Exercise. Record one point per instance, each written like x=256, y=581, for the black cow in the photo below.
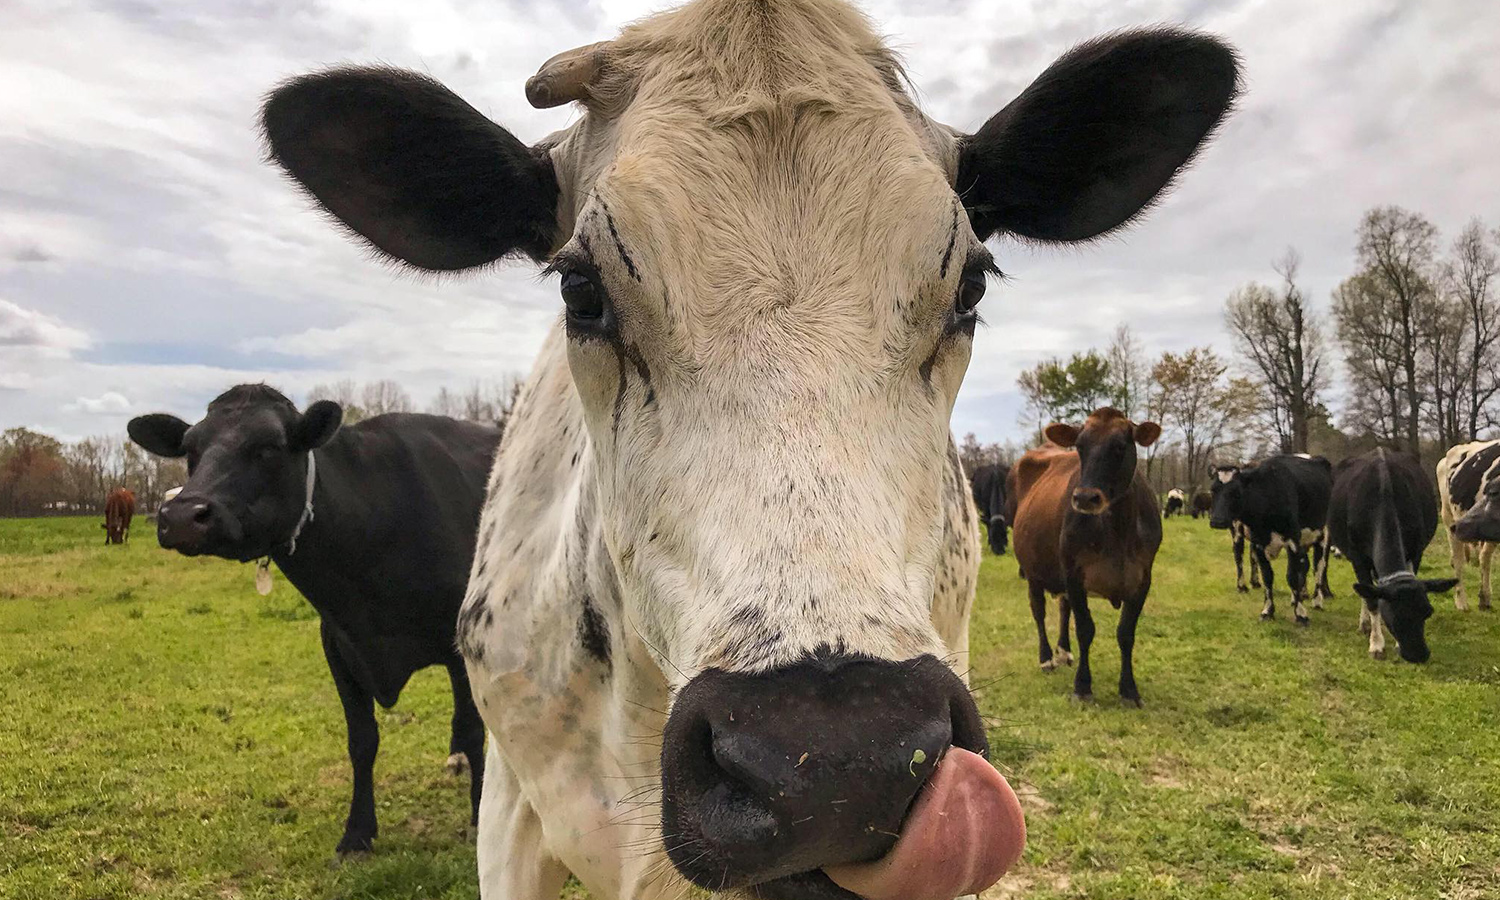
x=988, y=484
x=1239, y=534
x=1203, y=502
x=1280, y=502
x=1383, y=514
x=1176, y=499
x=375, y=525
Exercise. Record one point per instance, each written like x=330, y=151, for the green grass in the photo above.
x=165, y=732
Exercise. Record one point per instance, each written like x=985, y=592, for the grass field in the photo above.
x=165, y=732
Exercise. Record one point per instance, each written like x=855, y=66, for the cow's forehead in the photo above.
x=250, y=423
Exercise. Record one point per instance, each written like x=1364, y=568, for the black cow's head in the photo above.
x=1228, y=488
x=1402, y=603
x=247, y=471
x=1482, y=521
x=1106, y=456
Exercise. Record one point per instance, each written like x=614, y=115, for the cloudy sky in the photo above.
x=149, y=259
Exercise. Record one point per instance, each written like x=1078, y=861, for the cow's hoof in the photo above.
x=1304, y=621
x=457, y=764
x=1266, y=617
x=1242, y=589
x=352, y=850
x=1063, y=657
x=1485, y=604
x=1364, y=627
x=1317, y=604
x=1083, y=698
x=1377, y=654
x=1130, y=702
x=1047, y=665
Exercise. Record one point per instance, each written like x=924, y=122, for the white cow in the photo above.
x=725, y=567
x=1462, y=474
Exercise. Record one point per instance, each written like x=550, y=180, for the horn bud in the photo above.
x=566, y=77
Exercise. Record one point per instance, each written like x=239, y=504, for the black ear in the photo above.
x=1440, y=585
x=317, y=426
x=159, y=433
x=1095, y=139
x=412, y=168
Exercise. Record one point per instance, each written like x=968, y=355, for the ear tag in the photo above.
x=263, y=575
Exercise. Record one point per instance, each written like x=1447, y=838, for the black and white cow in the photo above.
x=1281, y=502
x=988, y=483
x=374, y=523
x=1176, y=503
x=1468, y=479
x=1238, y=534
x=1382, y=514
x=769, y=262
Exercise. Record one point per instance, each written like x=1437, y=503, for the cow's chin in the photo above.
x=814, y=885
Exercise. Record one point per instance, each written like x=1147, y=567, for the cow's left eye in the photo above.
x=582, y=296
x=970, y=292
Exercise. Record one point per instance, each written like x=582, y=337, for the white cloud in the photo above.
x=107, y=403
x=26, y=332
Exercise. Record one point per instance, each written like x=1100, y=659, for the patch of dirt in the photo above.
x=1012, y=887
x=1031, y=798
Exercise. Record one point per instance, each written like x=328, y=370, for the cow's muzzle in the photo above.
x=768, y=780
x=1474, y=526
x=192, y=525
x=1090, y=501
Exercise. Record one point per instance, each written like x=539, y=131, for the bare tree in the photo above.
x=385, y=396
x=1467, y=279
x=345, y=393
x=1371, y=335
x=1396, y=249
x=1190, y=393
x=1128, y=370
x=1282, y=342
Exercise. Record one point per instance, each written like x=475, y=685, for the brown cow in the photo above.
x=119, y=506
x=1088, y=523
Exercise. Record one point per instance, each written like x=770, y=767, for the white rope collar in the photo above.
x=1387, y=580
x=307, y=507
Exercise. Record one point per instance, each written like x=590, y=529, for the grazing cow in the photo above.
x=1176, y=500
x=1467, y=475
x=988, y=482
x=373, y=523
x=119, y=507
x=1203, y=502
x=1279, y=502
x=1238, y=533
x=1087, y=523
x=1382, y=514
x=769, y=262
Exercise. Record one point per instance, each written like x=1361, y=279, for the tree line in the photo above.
x=1416, y=328
x=41, y=475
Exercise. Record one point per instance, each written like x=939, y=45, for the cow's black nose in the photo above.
x=1088, y=500
x=185, y=523
x=768, y=778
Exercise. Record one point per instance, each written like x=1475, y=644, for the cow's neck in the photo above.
x=321, y=546
x=1389, y=551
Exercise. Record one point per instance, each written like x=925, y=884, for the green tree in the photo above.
x=1058, y=391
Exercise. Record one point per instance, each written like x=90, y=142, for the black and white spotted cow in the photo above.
x=728, y=510
x=1468, y=478
x=1280, y=502
x=1382, y=515
x=1176, y=503
x=374, y=524
x=989, y=483
x=1238, y=534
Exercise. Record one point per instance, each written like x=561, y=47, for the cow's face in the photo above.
x=1403, y=605
x=1228, y=491
x=1106, y=456
x=1482, y=521
x=247, y=471
x=769, y=264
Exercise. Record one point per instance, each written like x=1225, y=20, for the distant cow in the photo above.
x=374, y=524
x=1281, y=502
x=1176, y=500
x=1087, y=523
x=988, y=483
x=1383, y=514
x=119, y=507
x=1467, y=476
x=1203, y=501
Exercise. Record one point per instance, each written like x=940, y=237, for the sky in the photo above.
x=150, y=258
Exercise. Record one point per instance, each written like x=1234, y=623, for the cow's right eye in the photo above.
x=584, y=299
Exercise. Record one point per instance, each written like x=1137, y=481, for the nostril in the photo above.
x=202, y=513
x=732, y=819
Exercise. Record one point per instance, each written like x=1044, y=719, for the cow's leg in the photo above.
x=1038, y=597
x=1486, y=551
x=364, y=744
x=1064, y=655
x=1296, y=579
x=1239, y=564
x=513, y=860
x=1377, y=635
x=466, y=747
x=1255, y=578
x=1130, y=613
x=1078, y=599
x=1263, y=563
x=1460, y=557
x=1321, y=590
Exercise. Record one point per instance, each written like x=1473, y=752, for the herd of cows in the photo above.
x=770, y=261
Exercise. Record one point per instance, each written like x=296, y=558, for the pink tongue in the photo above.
x=964, y=831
